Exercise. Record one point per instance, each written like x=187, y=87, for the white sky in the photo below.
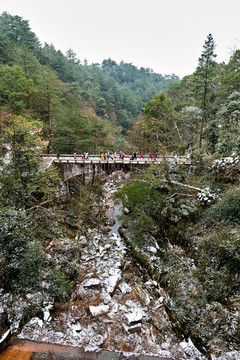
x=164, y=35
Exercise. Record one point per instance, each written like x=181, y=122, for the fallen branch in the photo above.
x=40, y=205
x=186, y=186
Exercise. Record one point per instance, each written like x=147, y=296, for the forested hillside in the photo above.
x=169, y=285
x=82, y=107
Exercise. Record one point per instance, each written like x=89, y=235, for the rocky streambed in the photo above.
x=115, y=305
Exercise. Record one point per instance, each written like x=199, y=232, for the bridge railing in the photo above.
x=145, y=157
x=92, y=158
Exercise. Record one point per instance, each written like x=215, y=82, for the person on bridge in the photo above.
x=135, y=155
x=86, y=155
x=120, y=154
x=150, y=155
x=141, y=155
x=102, y=155
x=155, y=156
x=75, y=156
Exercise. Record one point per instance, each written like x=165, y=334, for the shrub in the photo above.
x=20, y=253
x=225, y=248
x=197, y=163
x=60, y=286
x=226, y=210
x=31, y=264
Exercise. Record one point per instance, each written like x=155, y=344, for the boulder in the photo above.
x=134, y=317
x=98, y=310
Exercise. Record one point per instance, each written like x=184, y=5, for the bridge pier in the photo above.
x=69, y=169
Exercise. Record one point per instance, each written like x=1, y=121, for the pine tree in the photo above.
x=203, y=77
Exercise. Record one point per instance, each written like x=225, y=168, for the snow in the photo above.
x=91, y=282
x=4, y=336
x=125, y=288
x=152, y=249
x=98, y=310
x=112, y=280
x=134, y=317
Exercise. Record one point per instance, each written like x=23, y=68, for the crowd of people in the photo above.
x=121, y=155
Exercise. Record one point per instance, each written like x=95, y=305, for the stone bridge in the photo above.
x=71, y=166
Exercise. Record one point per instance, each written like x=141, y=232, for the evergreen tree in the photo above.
x=15, y=89
x=202, y=79
x=18, y=31
x=231, y=78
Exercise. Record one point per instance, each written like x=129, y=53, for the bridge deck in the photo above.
x=94, y=159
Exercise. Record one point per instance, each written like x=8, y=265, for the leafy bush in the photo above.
x=197, y=163
x=31, y=264
x=60, y=286
x=224, y=146
x=143, y=205
x=226, y=210
x=20, y=253
x=224, y=248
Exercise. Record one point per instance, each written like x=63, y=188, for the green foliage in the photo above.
x=203, y=81
x=226, y=211
x=144, y=82
x=159, y=125
x=6, y=50
x=231, y=77
x=224, y=247
x=189, y=124
x=59, y=285
x=15, y=88
x=197, y=162
x=21, y=254
x=142, y=206
x=18, y=31
x=229, y=120
x=22, y=184
x=24, y=149
x=137, y=196
x=212, y=135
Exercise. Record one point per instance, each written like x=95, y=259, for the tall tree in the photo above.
x=203, y=77
x=22, y=159
x=18, y=31
x=22, y=183
x=160, y=124
x=46, y=101
x=15, y=88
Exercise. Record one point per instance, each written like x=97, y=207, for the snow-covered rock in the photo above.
x=134, y=317
x=91, y=282
x=152, y=249
x=125, y=288
x=98, y=310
